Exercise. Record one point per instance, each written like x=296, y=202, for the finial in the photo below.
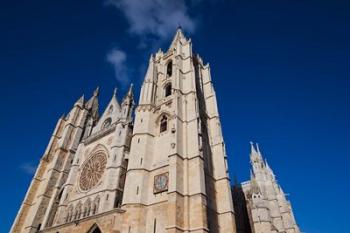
x=252, y=147
x=130, y=89
x=80, y=101
x=257, y=148
x=115, y=91
x=97, y=91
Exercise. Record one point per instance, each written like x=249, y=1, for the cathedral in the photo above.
x=156, y=167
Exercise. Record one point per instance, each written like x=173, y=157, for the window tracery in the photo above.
x=92, y=171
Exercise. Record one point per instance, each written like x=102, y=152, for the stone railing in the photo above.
x=99, y=134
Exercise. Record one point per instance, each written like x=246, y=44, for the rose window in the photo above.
x=92, y=171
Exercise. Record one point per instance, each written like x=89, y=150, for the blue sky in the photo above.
x=280, y=69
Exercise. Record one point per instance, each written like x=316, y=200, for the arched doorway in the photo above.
x=94, y=229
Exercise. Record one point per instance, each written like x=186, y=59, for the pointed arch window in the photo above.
x=163, y=124
x=169, y=69
x=96, y=205
x=69, y=213
x=87, y=208
x=94, y=229
x=167, y=89
x=106, y=123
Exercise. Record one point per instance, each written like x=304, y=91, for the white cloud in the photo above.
x=118, y=60
x=28, y=168
x=158, y=18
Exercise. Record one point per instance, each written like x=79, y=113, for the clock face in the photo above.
x=161, y=183
x=92, y=171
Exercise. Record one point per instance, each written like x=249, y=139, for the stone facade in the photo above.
x=261, y=201
x=163, y=172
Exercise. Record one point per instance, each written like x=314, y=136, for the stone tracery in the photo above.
x=92, y=171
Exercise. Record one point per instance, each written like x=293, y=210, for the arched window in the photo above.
x=169, y=69
x=106, y=123
x=69, y=213
x=87, y=208
x=96, y=205
x=110, y=110
x=163, y=124
x=167, y=90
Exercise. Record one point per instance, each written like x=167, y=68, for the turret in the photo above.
x=268, y=208
x=128, y=104
x=148, y=88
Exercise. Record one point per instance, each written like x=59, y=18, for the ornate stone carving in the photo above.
x=92, y=171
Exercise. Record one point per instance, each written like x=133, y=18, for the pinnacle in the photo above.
x=97, y=91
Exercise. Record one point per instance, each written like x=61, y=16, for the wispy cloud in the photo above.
x=117, y=58
x=152, y=22
x=157, y=18
x=28, y=168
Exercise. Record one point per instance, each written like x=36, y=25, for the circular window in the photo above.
x=92, y=171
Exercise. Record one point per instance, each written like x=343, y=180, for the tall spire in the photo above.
x=115, y=99
x=80, y=102
x=258, y=149
x=131, y=90
x=92, y=104
x=129, y=97
x=97, y=91
x=269, y=170
x=252, y=148
x=179, y=35
x=255, y=154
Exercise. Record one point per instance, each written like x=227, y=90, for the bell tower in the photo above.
x=177, y=176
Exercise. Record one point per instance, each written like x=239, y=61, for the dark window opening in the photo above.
x=169, y=69
x=38, y=228
x=163, y=124
x=168, y=89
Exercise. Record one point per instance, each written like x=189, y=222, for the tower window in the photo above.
x=106, y=123
x=169, y=69
x=167, y=89
x=163, y=124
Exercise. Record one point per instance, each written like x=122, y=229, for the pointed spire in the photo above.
x=151, y=58
x=252, y=148
x=269, y=170
x=131, y=90
x=151, y=70
x=92, y=104
x=80, y=102
x=114, y=99
x=97, y=91
x=257, y=148
x=178, y=36
x=255, y=154
x=129, y=97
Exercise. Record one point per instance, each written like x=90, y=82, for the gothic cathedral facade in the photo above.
x=158, y=168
